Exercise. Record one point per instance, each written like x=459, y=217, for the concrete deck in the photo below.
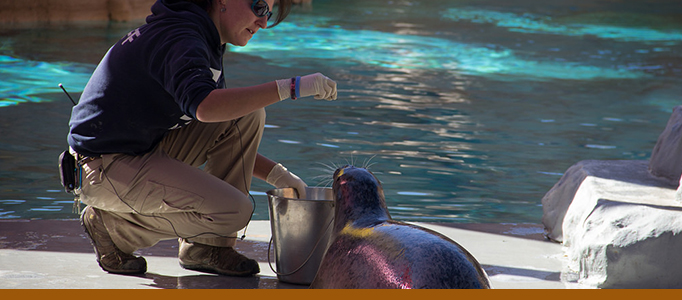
x=56, y=254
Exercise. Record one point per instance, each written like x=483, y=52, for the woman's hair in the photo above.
x=284, y=7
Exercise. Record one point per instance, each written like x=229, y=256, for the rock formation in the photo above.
x=619, y=220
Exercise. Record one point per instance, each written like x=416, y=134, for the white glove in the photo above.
x=280, y=177
x=316, y=85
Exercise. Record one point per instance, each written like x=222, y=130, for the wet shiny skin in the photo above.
x=370, y=250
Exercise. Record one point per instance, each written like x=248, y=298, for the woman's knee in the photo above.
x=245, y=210
x=230, y=208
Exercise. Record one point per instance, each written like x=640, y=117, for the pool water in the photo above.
x=467, y=111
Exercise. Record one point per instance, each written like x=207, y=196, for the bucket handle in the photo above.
x=306, y=260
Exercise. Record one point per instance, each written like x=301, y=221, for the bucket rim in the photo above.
x=274, y=193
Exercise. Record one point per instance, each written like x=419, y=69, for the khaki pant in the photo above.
x=165, y=195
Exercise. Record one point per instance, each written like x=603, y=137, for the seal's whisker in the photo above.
x=326, y=178
x=321, y=178
x=325, y=169
x=325, y=183
x=370, y=165
x=326, y=166
x=368, y=162
x=329, y=167
x=349, y=163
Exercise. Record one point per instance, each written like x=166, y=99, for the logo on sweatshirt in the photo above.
x=184, y=121
x=216, y=74
x=131, y=36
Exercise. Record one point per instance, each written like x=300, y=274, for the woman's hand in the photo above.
x=317, y=85
x=280, y=177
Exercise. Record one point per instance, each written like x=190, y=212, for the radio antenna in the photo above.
x=67, y=94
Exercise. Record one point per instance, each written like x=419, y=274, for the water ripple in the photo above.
x=281, y=46
x=25, y=80
x=538, y=24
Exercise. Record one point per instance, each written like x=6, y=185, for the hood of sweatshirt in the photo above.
x=178, y=11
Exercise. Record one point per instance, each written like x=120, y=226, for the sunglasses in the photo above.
x=261, y=9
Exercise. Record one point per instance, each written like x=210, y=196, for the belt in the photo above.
x=80, y=158
x=84, y=159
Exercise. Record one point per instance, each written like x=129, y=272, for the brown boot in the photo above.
x=109, y=257
x=217, y=260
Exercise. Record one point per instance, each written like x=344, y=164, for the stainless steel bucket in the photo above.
x=301, y=229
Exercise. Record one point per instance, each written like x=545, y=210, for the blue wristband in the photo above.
x=298, y=85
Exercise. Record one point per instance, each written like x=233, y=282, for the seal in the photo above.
x=370, y=250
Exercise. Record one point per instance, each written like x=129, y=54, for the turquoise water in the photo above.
x=467, y=111
x=397, y=51
x=23, y=80
x=542, y=24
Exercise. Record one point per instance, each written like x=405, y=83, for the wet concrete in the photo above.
x=56, y=254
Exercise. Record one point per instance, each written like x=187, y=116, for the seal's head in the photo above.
x=358, y=197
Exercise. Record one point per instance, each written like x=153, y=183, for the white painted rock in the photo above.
x=621, y=221
x=626, y=245
x=621, y=234
x=557, y=200
x=619, y=224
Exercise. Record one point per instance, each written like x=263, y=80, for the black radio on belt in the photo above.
x=69, y=172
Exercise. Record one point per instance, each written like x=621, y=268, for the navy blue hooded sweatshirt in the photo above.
x=151, y=81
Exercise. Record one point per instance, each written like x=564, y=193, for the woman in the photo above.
x=154, y=111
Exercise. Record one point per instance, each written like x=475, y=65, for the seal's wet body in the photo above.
x=369, y=250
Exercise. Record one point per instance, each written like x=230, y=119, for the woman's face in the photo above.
x=237, y=24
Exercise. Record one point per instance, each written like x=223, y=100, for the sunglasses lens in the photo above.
x=261, y=9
